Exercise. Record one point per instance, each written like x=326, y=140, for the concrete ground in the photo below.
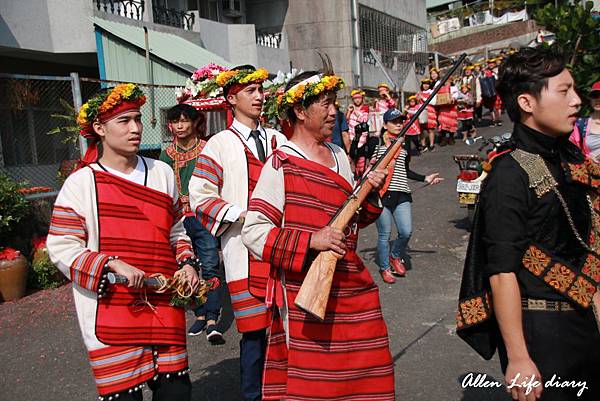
x=43, y=357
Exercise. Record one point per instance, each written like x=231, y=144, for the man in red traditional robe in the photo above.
x=121, y=213
x=346, y=356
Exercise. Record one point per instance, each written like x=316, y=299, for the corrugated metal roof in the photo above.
x=171, y=48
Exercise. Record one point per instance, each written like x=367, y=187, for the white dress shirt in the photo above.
x=234, y=211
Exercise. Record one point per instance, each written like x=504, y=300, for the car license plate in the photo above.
x=471, y=187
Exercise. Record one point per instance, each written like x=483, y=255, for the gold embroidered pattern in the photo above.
x=473, y=310
x=594, y=239
x=459, y=320
x=535, y=260
x=595, y=202
x=560, y=277
x=582, y=292
x=593, y=167
x=540, y=178
x=591, y=267
x=579, y=173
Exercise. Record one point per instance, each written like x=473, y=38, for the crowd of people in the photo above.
x=265, y=202
x=454, y=113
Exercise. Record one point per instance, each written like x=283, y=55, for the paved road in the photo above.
x=43, y=357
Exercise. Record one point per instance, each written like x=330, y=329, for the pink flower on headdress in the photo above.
x=209, y=71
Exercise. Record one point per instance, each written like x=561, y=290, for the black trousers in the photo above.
x=412, y=144
x=565, y=345
x=478, y=113
x=253, y=346
x=175, y=388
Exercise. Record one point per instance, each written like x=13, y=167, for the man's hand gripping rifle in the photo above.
x=314, y=292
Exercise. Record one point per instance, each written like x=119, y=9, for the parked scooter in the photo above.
x=472, y=172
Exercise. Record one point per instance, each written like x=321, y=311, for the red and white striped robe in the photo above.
x=97, y=215
x=465, y=106
x=347, y=356
x=223, y=178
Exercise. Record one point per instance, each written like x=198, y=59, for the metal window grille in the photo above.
x=398, y=43
x=173, y=17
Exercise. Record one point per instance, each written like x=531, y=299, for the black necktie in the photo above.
x=259, y=145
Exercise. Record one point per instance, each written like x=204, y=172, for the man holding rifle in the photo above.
x=346, y=355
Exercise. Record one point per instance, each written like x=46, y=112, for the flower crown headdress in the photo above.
x=103, y=107
x=301, y=92
x=108, y=104
x=242, y=76
x=201, y=85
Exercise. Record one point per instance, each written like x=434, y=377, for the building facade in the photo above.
x=161, y=42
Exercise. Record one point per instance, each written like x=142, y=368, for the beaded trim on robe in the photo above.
x=140, y=387
x=540, y=178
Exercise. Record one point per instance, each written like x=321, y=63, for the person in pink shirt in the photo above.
x=586, y=132
x=428, y=128
x=414, y=131
x=385, y=101
x=358, y=113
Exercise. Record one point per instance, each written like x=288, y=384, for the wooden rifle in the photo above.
x=314, y=292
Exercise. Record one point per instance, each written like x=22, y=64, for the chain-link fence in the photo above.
x=28, y=109
x=39, y=139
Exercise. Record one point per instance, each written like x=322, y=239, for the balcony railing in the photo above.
x=269, y=39
x=173, y=17
x=125, y=8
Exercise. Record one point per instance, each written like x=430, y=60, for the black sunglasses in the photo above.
x=595, y=95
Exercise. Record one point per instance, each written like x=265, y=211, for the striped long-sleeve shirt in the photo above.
x=399, y=188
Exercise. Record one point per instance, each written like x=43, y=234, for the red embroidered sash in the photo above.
x=135, y=223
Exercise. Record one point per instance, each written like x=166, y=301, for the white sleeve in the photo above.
x=71, y=226
x=205, y=190
x=265, y=209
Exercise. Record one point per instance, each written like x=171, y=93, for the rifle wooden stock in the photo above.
x=314, y=292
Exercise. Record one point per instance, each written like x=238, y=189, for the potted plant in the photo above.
x=44, y=274
x=13, y=266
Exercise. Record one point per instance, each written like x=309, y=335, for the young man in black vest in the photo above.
x=535, y=241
